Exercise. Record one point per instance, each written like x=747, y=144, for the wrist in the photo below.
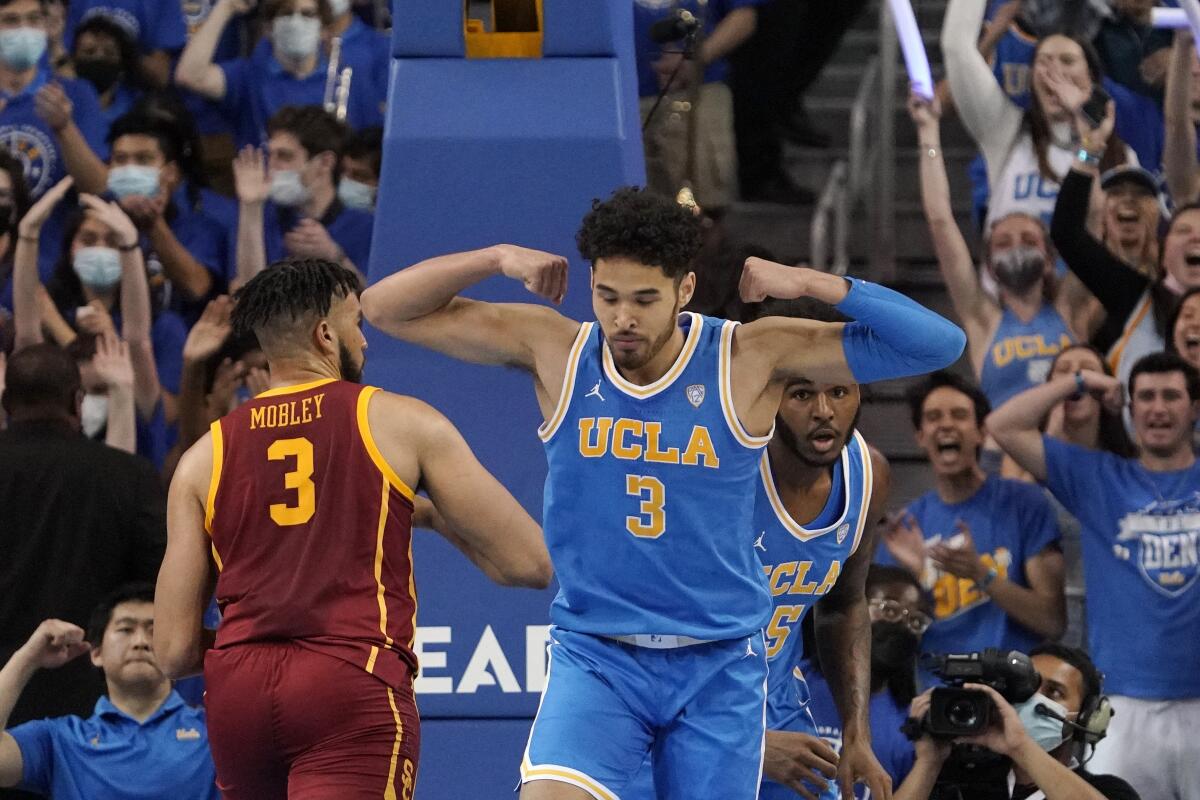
x=985, y=576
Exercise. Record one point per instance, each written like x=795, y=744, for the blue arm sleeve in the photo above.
x=894, y=337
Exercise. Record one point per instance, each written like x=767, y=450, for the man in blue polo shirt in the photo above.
x=987, y=547
x=292, y=208
x=1140, y=521
x=142, y=742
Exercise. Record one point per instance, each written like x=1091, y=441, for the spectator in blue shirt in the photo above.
x=46, y=121
x=291, y=207
x=156, y=25
x=141, y=742
x=106, y=57
x=1140, y=520
x=901, y=612
x=987, y=547
x=361, y=163
x=293, y=72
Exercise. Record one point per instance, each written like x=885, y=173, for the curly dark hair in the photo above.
x=645, y=227
x=288, y=292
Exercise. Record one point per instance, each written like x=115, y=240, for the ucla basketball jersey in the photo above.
x=650, y=495
x=1012, y=64
x=1020, y=185
x=1020, y=353
x=803, y=562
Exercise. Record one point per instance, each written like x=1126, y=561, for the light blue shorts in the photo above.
x=697, y=711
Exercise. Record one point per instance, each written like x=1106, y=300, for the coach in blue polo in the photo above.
x=142, y=741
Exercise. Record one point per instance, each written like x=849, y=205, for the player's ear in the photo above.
x=324, y=338
x=687, y=288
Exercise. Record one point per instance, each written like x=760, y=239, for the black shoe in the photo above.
x=801, y=131
x=781, y=190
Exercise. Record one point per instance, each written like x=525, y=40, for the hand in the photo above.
x=1105, y=388
x=112, y=216
x=689, y=73
x=309, y=239
x=144, y=211
x=53, y=106
x=800, y=761
x=544, y=274
x=1096, y=139
x=257, y=380
x=762, y=279
x=112, y=363
x=927, y=748
x=250, y=178
x=54, y=643
x=905, y=540
x=210, y=332
x=1068, y=94
x=925, y=113
x=961, y=560
x=97, y=321
x=39, y=212
x=858, y=764
x=1005, y=735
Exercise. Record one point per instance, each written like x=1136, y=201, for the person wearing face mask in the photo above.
x=1012, y=339
x=106, y=57
x=900, y=613
x=361, y=162
x=291, y=207
x=987, y=547
x=1138, y=518
x=291, y=72
x=157, y=28
x=100, y=288
x=47, y=120
x=1137, y=306
x=1046, y=736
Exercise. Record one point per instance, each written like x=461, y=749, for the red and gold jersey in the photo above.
x=312, y=530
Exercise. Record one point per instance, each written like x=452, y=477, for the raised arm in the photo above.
x=1179, y=148
x=26, y=284
x=56, y=109
x=253, y=186
x=419, y=442
x=975, y=311
x=843, y=628
x=991, y=118
x=421, y=305
x=1016, y=425
x=187, y=576
x=196, y=70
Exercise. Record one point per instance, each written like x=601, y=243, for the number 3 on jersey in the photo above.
x=650, y=521
x=298, y=480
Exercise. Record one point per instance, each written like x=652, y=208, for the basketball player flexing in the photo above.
x=304, y=498
x=654, y=426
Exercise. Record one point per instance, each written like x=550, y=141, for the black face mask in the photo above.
x=98, y=72
x=893, y=645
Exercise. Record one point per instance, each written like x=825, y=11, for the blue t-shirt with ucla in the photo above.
x=649, y=499
x=1141, y=541
x=111, y=754
x=1010, y=522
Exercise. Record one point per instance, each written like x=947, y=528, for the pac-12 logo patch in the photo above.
x=1164, y=537
x=695, y=394
x=842, y=531
x=34, y=148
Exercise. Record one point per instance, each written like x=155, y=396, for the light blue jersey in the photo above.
x=1020, y=353
x=650, y=494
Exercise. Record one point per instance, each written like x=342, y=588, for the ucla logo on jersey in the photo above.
x=1032, y=184
x=842, y=532
x=36, y=152
x=1029, y=347
x=1165, y=538
x=638, y=440
x=695, y=394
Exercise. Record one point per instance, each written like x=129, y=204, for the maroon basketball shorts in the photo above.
x=286, y=722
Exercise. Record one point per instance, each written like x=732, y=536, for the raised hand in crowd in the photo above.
x=250, y=177
x=53, y=644
x=53, y=106
x=30, y=225
x=114, y=217
x=210, y=332
x=114, y=367
x=94, y=319
x=1109, y=391
x=257, y=380
x=959, y=556
x=905, y=540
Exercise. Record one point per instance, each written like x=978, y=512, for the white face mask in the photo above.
x=287, y=189
x=93, y=414
x=355, y=194
x=1048, y=731
x=295, y=35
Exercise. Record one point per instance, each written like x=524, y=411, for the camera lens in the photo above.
x=963, y=713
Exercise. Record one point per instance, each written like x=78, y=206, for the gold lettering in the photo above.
x=781, y=571
x=700, y=447
x=587, y=448
x=830, y=578
x=1002, y=353
x=620, y=449
x=317, y=399
x=272, y=416
x=801, y=585
x=653, y=453
x=256, y=418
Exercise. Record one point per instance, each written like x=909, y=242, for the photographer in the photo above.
x=1044, y=748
